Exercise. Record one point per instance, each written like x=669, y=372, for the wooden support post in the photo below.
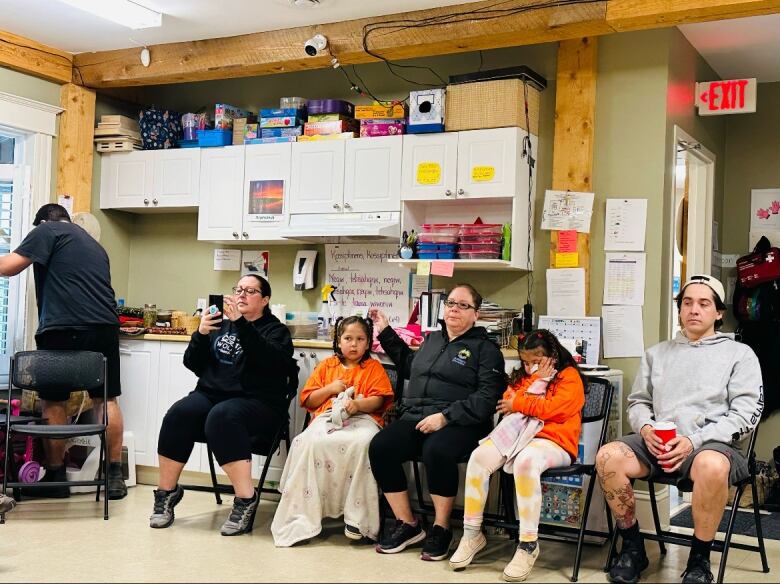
x=74, y=158
x=575, y=107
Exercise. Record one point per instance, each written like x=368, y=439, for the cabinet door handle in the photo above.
x=313, y=355
x=448, y=193
x=245, y=234
x=125, y=351
x=347, y=206
x=461, y=192
x=235, y=234
x=302, y=354
x=336, y=206
x=146, y=201
x=155, y=201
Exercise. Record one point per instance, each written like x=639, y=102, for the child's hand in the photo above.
x=546, y=368
x=351, y=407
x=336, y=387
x=505, y=405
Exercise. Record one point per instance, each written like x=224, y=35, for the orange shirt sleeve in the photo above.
x=317, y=380
x=377, y=384
x=561, y=402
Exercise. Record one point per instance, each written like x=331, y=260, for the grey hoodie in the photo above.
x=710, y=388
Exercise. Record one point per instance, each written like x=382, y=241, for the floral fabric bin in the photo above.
x=160, y=129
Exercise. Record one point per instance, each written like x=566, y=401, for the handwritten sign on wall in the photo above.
x=364, y=279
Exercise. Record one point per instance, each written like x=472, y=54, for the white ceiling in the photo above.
x=746, y=47
x=67, y=28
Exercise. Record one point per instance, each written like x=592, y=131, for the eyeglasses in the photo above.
x=461, y=305
x=238, y=291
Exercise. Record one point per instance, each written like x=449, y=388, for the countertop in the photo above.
x=509, y=354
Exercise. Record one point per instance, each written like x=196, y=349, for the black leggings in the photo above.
x=228, y=425
x=440, y=451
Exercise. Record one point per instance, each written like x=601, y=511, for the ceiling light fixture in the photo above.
x=124, y=12
x=305, y=3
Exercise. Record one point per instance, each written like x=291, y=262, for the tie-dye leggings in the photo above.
x=539, y=455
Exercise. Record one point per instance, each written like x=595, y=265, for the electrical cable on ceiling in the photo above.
x=527, y=152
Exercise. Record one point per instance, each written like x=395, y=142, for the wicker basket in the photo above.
x=191, y=323
x=490, y=104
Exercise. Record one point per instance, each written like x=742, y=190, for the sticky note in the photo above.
x=428, y=173
x=567, y=260
x=423, y=268
x=483, y=173
x=567, y=241
x=442, y=268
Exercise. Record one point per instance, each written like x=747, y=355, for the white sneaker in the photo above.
x=518, y=569
x=467, y=549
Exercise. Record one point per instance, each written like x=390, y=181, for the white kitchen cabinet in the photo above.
x=151, y=180
x=464, y=165
x=243, y=193
x=139, y=365
x=175, y=382
x=372, y=174
x=317, y=181
x=429, y=166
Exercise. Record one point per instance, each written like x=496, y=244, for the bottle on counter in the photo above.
x=150, y=315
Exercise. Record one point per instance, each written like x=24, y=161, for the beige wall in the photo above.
x=752, y=163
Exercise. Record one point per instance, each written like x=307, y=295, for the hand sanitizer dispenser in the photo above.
x=304, y=269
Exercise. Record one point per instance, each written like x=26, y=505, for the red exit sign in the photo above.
x=735, y=96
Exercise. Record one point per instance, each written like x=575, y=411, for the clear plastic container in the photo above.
x=437, y=237
x=481, y=229
x=479, y=255
x=479, y=247
x=441, y=228
x=480, y=238
x=292, y=102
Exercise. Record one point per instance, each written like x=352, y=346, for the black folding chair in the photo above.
x=598, y=401
x=262, y=446
x=664, y=536
x=61, y=371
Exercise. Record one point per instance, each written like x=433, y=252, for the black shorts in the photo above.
x=101, y=339
x=738, y=471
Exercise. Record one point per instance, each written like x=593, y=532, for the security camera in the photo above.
x=315, y=44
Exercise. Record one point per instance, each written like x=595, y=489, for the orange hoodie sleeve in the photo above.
x=564, y=399
x=316, y=381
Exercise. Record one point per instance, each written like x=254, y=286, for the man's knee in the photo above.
x=710, y=468
x=608, y=457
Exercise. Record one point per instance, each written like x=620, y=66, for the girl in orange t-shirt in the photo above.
x=549, y=390
x=327, y=473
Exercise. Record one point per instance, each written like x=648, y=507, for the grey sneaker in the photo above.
x=164, y=502
x=242, y=517
x=6, y=503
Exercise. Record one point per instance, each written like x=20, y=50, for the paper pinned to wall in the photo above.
x=364, y=279
x=254, y=263
x=566, y=292
x=623, y=331
x=624, y=279
x=227, y=260
x=566, y=210
x=624, y=225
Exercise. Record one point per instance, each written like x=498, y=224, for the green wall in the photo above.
x=171, y=239
x=752, y=163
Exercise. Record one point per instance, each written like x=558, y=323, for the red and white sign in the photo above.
x=734, y=96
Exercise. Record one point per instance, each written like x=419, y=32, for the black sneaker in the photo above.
x=164, y=502
x=437, y=546
x=242, y=516
x=698, y=570
x=116, y=482
x=352, y=532
x=402, y=536
x=630, y=563
x=50, y=492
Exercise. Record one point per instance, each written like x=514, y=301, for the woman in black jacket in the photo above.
x=455, y=381
x=244, y=366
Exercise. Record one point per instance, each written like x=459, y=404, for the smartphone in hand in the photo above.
x=216, y=300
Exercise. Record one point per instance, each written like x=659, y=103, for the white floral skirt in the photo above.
x=328, y=474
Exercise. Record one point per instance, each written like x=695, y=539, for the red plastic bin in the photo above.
x=441, y=228
x=481, y=229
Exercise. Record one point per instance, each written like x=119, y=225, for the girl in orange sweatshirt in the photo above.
x=540, y=430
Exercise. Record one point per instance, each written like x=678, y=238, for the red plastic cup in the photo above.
x=665, y=431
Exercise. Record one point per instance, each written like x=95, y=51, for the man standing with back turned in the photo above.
x=710, y=387
x=76, y=311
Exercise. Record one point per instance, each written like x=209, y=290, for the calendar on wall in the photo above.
x=585, y=331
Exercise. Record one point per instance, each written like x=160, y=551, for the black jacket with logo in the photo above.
x=463, y=378
x=245, y=359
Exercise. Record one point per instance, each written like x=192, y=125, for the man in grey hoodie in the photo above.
x=709, y=386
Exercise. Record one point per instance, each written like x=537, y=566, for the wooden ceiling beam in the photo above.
x=281, y=51
x=27, y=56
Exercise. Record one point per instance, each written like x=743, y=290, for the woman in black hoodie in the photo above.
x=244, y=366
x=455, y=382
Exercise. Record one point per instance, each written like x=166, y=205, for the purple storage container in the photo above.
x=330, y=106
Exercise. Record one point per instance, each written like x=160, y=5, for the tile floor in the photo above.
x=68, y=541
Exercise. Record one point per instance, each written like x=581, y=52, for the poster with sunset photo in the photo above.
x=266, y=197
